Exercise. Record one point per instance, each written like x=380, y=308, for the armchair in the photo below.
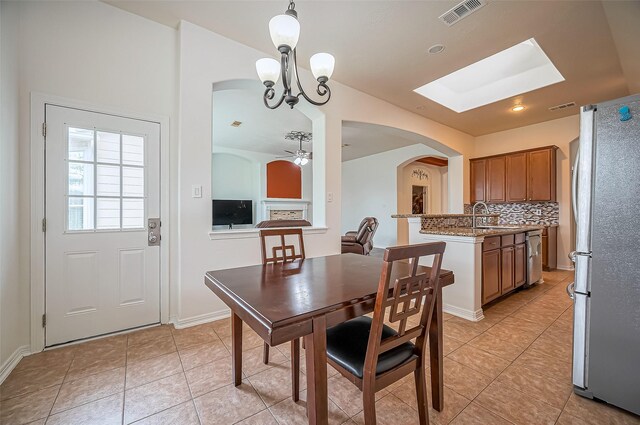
x=360, y=241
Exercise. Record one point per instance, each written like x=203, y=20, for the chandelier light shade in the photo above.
x=285, y=32
x=268, y=70
x=322, y=65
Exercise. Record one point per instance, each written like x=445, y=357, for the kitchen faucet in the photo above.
x=473, y=212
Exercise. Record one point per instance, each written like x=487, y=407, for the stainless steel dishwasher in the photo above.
x=534, y=254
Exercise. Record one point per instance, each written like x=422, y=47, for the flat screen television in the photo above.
x=228, y=212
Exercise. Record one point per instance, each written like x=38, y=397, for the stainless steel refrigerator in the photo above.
x=606, y=291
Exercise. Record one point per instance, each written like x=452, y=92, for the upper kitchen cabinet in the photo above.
x=522, y=176
x=496, y=183
x=516, y=164
x=478, y=180
x=542, y=174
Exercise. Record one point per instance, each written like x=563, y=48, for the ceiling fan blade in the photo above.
x=292, y=153
x=310, y=155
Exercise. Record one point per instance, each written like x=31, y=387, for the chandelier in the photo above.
x=285, y=30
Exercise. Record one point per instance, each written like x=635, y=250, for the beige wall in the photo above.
x=558, y=132
x=435, y=183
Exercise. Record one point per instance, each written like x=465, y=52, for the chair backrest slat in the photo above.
x=281, y=252
x=409, y=299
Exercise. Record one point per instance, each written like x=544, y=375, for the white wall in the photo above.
x=370, y=187
x=558, y=132
x=14, y=287
x=234, y=177
x=94, y=53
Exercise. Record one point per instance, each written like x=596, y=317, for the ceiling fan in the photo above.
x=301, y=156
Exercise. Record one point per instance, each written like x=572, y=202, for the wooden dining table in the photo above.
x=301, y=299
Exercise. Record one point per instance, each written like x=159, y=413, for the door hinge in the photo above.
x=44, y=224
x=44, y=320
x=44, y=129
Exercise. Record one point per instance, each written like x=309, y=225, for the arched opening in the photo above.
x=243, y=128
x=377, y=168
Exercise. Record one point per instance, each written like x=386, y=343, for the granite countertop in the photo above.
x=468, y=231
x=442, y=215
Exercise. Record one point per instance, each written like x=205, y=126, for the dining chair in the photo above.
x=280, y=252
x=371, y=354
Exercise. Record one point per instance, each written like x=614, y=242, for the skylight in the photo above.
x=516, y=70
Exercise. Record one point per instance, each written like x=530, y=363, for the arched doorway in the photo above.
x=374, y=158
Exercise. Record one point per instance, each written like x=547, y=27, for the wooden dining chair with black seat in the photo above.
x=281, y=252
x=371, y=354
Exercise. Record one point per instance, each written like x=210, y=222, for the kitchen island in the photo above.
x=504, y=254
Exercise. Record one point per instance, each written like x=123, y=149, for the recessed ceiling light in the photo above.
x=516, y=70
x=436, y=48
x=518, y=108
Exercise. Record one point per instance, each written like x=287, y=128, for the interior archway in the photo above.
x=374, y=158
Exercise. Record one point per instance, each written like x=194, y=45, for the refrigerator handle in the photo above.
x=570, y=290
x=574, y=186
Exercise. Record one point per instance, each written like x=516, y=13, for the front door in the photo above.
x=102, y=187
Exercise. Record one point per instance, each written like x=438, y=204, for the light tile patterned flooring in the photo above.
x=512, y=367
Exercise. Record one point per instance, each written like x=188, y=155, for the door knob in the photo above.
x=153, y=237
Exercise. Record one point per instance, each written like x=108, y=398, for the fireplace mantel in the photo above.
x=280, y=204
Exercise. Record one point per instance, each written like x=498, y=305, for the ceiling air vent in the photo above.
x=461, y=10
x=236, y=123
x=563, y=106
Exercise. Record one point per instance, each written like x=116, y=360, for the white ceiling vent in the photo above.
x=563, y=106
x=461, y=11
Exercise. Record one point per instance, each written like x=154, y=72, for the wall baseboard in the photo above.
x=203, y=318
x=474, y=316
x=567, y=268
x=13, y=361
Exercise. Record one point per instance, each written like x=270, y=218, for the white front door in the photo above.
x=102, y=186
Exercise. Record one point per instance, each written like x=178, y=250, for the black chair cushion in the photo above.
x=347, y=346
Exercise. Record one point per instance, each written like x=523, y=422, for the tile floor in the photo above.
x=513, y=367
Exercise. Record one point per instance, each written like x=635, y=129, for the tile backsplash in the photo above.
x=453, y=220
x=543, y=213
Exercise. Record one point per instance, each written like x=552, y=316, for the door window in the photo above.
x=106, y=180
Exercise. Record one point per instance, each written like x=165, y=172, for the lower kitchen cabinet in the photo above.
x=549, y=248
x=504, y=265
x=507, y=269
x=520, y=265
x=491, y=270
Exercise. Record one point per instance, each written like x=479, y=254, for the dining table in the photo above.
x=301, y=299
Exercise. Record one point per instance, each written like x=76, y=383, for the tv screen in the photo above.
x=228, y=212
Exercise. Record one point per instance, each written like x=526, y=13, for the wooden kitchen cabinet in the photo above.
x=522, y=176
x=504, y=265
x=507, y=269
x=478, y=180
x=496, y=172
x=520, y=265
x=541, y=166
x=516, y=183
x=549, y=248
x=491, y=273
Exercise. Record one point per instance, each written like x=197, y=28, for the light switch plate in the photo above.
x=330, y=197
x=196, y=191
